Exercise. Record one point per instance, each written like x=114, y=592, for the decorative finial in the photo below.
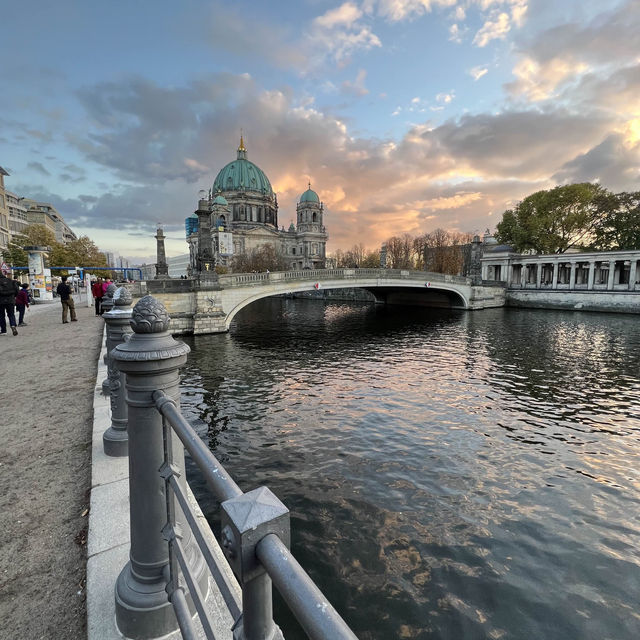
x=241, y=147
x=149, y=316
x=111, y=290
x=122, y=297
x=309, y=185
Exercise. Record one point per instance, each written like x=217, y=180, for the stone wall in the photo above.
x=620, y=302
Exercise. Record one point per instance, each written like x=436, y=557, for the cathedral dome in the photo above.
x=310, y=196
x=242, y=175
x=220, y=200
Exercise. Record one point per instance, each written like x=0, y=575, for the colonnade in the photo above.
x=613, y=271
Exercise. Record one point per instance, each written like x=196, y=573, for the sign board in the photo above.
x=225, y=244
x=5, y=269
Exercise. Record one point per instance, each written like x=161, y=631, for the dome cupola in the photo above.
x=310, y=196
x=242, y=175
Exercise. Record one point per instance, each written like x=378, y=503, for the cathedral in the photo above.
x=244, y=216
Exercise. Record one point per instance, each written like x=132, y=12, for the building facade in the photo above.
x=46, y=214
x=18, y=221
x=244, y=217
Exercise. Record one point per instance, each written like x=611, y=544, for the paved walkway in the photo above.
x=47, y=379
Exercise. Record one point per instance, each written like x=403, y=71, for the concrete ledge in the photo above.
x=108, y=540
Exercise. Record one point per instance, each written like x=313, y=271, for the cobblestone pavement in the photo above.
x=47, y=378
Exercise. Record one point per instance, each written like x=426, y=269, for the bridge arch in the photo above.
x=393, y=293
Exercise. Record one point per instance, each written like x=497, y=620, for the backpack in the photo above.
x=6, y=287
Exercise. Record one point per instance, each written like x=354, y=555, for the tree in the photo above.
x=34, y=234
x=442, y=251
x=618, y=227
x=553, y=221
x=400, y=251
x=262, y=258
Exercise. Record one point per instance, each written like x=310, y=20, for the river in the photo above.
x=449, y=474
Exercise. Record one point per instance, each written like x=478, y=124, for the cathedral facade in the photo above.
x=244, y=217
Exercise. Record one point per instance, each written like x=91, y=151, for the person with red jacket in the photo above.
x=97, y=291
x=22, y=303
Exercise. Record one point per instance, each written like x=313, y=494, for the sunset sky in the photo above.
x=405, y=115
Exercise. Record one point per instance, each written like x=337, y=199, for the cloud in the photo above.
x=37, y=166
x=398, y=10
x=495, y=28
x=477, y=72
x=357, y=87
x=343, y=16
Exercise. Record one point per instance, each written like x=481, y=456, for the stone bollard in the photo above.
x=115, y=438
x=150, y=360
x=107, y=305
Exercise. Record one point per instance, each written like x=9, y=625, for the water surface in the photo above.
x=449, y=474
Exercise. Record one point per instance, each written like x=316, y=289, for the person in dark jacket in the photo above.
x=22, y=303
x=64, y=291
x=8, y=291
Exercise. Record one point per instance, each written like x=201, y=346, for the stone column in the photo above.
x=555, y=275
x=523, y=275
x=475, y=269
x=572, y=277
x=162, y=268
x=612, y=273
x=150, y=359
x=539, y=275
x=106, y=305
x=592, y=274
x=633, y=270
x=115, y=439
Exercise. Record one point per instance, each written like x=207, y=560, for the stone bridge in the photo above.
x=199, y=307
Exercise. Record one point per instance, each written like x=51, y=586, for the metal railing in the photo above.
x=170, y=550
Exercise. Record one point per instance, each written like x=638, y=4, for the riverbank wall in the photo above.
x=601, y=301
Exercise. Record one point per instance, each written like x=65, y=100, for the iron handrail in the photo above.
x=311, y=608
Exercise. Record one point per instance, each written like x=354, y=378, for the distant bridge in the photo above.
x=197, y=308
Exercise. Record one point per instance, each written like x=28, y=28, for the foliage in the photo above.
x=401, y=252
x=357, y=256
x=555, y=220
x=77, y=253
x=442, y=251
x=618, y=226
x=262, y=258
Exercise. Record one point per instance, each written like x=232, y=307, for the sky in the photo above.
x=405, y=115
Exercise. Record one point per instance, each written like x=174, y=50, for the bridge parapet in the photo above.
x=322, y=275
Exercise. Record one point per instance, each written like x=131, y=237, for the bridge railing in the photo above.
x=320, y=275
x=169, y=548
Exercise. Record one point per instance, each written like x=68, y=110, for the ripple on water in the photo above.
x=448, y=474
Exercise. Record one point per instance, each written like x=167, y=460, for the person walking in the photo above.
x=97, y=291
x=64, y=291
x=8, y=291
x=22, y=303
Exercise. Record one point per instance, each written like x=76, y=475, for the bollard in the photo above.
x=107, y=305
x=115, y=439
x=150, y=360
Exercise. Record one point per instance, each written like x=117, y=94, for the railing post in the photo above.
x=245, y=521
x=107, y=305
x=150, y=360
x=115, y=439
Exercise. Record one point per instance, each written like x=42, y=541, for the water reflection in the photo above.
x=448, y=474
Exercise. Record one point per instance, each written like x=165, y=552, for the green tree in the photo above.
x=618, y=227
x=555, y=220
x=34, y=234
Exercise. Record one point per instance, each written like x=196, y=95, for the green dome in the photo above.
x=242, y=175
x=309, y=196
x=220, y=200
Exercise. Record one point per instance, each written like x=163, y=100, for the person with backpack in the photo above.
x=22, y=303
x=8, y=291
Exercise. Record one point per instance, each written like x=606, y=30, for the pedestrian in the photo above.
x=97, y=292
x=64, y=291
x=8, y=291
x=22, y=303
